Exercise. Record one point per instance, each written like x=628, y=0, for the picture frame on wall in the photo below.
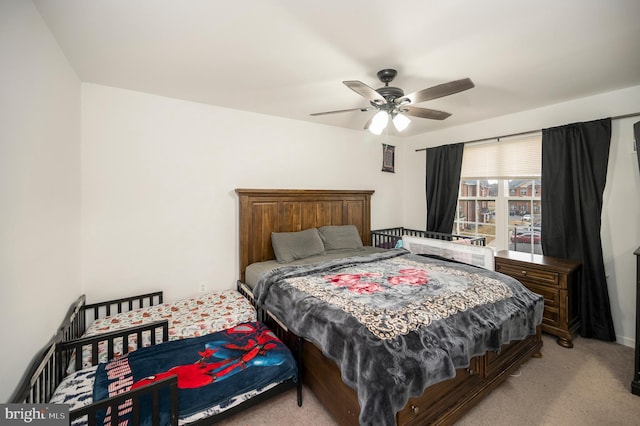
x=388, y=158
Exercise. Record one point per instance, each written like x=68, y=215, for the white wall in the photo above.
x=159, y=209
x=39, y=187
x=143, y=186
x=621, y=210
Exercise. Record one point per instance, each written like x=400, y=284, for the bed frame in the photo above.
x=80, y=313
x=263, y=211
x=389, y=237
x=47, y=370
x=48, y=367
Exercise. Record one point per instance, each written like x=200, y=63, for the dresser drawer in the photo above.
x=550, y=294
x=529, y=276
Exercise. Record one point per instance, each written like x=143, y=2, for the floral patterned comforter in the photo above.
x=396, y=323
x=190, y=317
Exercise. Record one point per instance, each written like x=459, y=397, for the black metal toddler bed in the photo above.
x=80, y=313
x=389, y=237
x=188, y=382
x=190, y=317
x=47, y=369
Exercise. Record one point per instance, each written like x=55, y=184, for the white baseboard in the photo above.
x=626, y=341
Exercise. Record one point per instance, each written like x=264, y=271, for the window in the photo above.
x=477, y=209
x=499, y=196
x=525, y=221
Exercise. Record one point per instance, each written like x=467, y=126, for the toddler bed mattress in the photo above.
x=215, y=372
x=189, y=317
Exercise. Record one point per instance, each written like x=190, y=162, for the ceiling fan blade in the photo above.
x=366, y=91
x=341, y=110
x=438, y=91
x=432, y=114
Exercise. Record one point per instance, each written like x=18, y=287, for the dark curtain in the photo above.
x=443, y=179
x=574, y=171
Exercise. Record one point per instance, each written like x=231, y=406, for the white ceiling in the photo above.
x=288, y=58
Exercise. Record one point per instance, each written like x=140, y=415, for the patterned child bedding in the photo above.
x=189, y=317
x=215, y=372
x=396, y=323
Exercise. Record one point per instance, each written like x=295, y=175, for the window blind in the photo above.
x=503, y=159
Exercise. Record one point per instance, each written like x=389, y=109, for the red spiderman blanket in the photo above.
x=210, y=369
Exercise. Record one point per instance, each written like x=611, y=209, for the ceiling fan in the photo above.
x=391, y=102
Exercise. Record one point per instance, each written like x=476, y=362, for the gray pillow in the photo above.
x=290, y=246
x=338, y=237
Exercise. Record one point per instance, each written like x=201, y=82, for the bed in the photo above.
x=197, y=378
x=337, y=346
x=189, y=317
x=389, y=237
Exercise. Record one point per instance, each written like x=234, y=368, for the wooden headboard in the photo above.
x=263, y=211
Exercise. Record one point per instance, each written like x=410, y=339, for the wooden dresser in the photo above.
x=557, y=280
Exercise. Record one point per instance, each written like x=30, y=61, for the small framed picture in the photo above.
x=388, y=153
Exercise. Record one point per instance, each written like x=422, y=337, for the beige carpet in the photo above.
x=586, y=385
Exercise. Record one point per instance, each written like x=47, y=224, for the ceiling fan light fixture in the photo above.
x=401, y=121
x=391, y=101
x=379, y=122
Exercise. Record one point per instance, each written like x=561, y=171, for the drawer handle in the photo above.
x=415, y=409
x=471, y=371
x=524, y=272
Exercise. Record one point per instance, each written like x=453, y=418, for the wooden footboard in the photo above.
x=444, y=403
x=441, y=404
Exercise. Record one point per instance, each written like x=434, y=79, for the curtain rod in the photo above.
x=618, y=117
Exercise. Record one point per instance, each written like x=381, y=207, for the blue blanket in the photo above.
x=396, y=323
x=210, y=369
